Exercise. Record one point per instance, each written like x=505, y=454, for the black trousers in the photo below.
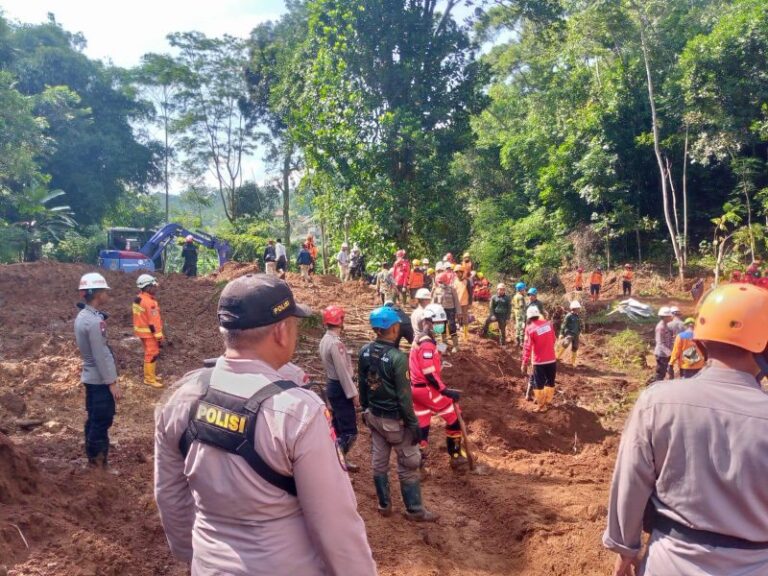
x=663, y=369
x=344, y=415
x=544, y=375
x=689, y=372
x=502, y=322
x=100, y=407
x=626, y=287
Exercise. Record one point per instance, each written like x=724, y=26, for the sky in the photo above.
x=122, y=31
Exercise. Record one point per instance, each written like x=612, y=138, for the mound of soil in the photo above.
x=541, y=487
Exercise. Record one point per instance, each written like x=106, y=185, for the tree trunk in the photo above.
x=657, y=147
x=685, y=199
x=287, y=197
x=325, y=245
x=639, y=247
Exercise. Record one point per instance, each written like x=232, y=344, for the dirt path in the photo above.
x=538, y=509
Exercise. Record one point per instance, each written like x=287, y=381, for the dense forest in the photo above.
x=535, y=132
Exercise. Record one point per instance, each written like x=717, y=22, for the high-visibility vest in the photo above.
x=146, y=317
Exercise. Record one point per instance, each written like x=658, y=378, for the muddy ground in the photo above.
x=538, y=508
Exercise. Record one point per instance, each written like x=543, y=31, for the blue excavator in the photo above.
x=121, y=255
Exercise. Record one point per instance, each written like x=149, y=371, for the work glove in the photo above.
x=416, y=433
x=452, y=394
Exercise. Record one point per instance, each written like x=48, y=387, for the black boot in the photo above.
x=414, y=509
x=456, y=453
x=346, y=446
x=382, y=492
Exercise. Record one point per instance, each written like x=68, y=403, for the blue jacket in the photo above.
x=304, y=258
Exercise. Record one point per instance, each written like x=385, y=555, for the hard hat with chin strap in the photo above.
x=383, y=318
x=435, y=313
x=145, y=280
x=93, y=281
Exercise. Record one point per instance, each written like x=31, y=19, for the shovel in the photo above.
x=464, y=435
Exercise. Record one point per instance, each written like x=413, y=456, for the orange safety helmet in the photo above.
x=735, y=314
x=333, y=315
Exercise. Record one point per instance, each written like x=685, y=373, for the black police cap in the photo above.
x=256, y=300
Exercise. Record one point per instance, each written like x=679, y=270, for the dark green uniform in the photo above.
x=500, y=311
x=569, y=336
x=385, y=395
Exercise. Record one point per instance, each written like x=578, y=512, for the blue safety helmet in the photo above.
x=532, y=292
x=384, y=317
x=520, y=286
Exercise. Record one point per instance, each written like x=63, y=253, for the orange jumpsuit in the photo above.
x=148, y=325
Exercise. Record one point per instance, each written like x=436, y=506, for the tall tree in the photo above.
x=160, y=78
x=271, y=48
x=386, y=91
x=213, y=125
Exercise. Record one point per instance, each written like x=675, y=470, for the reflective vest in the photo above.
x=146, y=317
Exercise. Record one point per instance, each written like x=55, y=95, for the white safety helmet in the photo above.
x=344, y=245
x=435, y=313
x=145, y=280
x=575, y=305
x=532, y=312
x=674, y=310
x=501, y=286
x=93, y=281
x=425, y=260
x=665, y=311
x=423, y=294
x=439, y=267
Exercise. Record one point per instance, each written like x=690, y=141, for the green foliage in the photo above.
x=81, y=246
x=626, y=349
x=248, y=238
x=136, y=210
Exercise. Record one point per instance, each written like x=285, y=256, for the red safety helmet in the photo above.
x=333, y=316
x=400, y=253
x=448, y=257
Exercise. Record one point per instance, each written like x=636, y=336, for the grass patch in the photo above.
x=626, y=351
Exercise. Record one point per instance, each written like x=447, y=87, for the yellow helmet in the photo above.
x=480, y=275
x=431, y=271
x=457, y=267
x=416, y=262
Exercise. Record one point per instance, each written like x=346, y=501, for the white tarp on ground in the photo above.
x=633, y=309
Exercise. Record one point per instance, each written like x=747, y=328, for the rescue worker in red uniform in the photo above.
x=401, y=272
x=430, y=394
x=539, y=349
x=148, y=326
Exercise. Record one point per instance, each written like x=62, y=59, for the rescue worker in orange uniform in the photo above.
x=416, y=278
x=481, y=292
x=687, y=355
x=596, y=283
x=430, y=394
x=578, y=281
x=626, y=280
x=466, y=264
x=148, y=326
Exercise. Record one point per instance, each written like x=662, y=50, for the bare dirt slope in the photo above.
x=538, y=508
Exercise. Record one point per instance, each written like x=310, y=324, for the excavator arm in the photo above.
x=155, y=245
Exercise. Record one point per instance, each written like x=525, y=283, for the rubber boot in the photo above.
x=550, y=394
x=539, y=397
x=456, y=452
x=414, y=509
x=574, y=358
x=455, y=341
x=351, y=467
x=150, y=375
x=560, y=351
x=382, y=492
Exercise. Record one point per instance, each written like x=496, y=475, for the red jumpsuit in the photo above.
x=402, y=272
x=425, y=365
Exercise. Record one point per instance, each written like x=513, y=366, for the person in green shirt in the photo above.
x=518, y=306
x=570, y=331
x=385, y=396
x=500, y=310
